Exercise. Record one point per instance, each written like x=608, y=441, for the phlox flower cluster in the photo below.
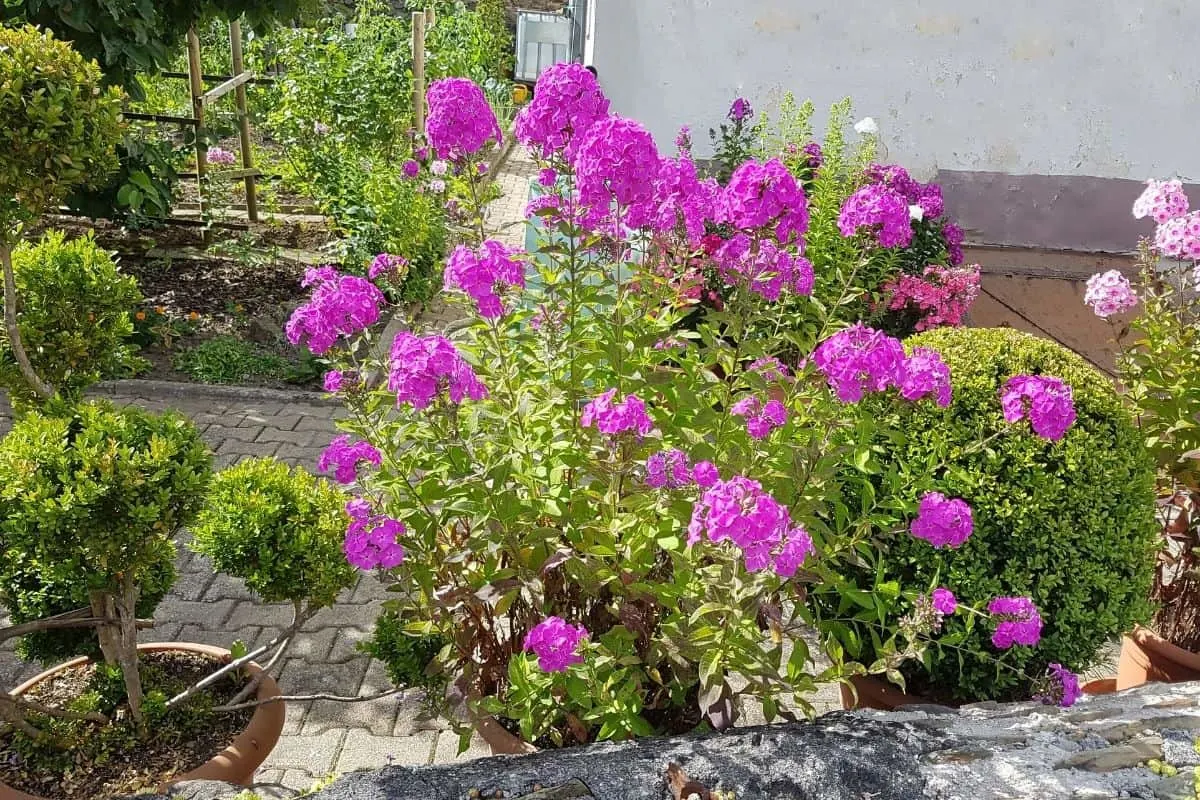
x=483, y=273
x=668, y=469
x=859, y=360
x=1179, y=237
x=343, y=457
x=740, y=511
x=372, y=540
x=556, y=644
x=1061, y=687
x=613, y=419
x=954, y=242
x=740, y=109
x=422, y=367
x=220, y=156
x=924, y=373
x=765, y=266
x=944, y=601
x=705, y=474
x=460, y=121
x=765, y=196
x=683, y=201
x=1161, y=201
x=333, y=380
x=942, y=295
x=617, y=161
x=926, y=197
x=1109, y=293
x=566, y=102
x=942, y=521
x=1018, y=622
x=816, y=157
x=881, y=210
x=770, y=368
x=386, y=265
x=1047, y=402
x=340, y=306
x=761, y=418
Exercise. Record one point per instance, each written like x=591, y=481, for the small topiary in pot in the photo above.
x=1069, y=523
x=280, y=529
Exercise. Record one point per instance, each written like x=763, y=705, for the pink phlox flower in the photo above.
x=556, y=644
x=567, y=101
x=1109, y=293
x=422, y=367
x=385, y=264
x=706, y=474
x=683, y=202
x=942, y=521
x=613, y=419
x=881, y=210
x=1162, y=201
x=765, y=197
x=1019, y=622
x=220, y=156
x=859, y=360
x=1179, y=237
x=1061, y=687
x=942, y=295
x=617, y=164
x=343, y=457
x=944, y=601
x=761, y=418
x=739, y=511
x=460, y=120
x=1047, y=402
x=484, y=273
x=340, y=306
x=924, y=373
x=767, y=268
x=372, y=540
x=668, y=469
x=954, y=241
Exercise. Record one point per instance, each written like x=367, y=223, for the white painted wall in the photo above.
x=1108, y=88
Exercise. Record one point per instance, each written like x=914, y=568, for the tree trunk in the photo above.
x=38, y=385
x=127, y=612
x=108, y=632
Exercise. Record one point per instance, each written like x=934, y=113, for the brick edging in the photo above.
x=152, y=389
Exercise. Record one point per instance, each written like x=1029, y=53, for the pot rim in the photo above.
x=238, y=761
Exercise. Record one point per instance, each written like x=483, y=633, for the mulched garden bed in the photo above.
x=107, y=761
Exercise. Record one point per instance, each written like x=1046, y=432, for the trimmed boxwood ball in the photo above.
x=1070, y=524
x=280, y=530
x=90, y=493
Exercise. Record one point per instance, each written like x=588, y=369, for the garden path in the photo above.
x=320, y=738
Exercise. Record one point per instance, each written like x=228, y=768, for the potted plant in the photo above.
x=1159, y=351
x=584, y=546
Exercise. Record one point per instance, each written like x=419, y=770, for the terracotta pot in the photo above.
x=238, y=762
x=1146, y=656
x=499, y=739
x=878, y=694
x=1100, y=686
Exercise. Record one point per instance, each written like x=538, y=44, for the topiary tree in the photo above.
x=75, y=319
x=280, y=530
x=60, y=132
x=1069, y=523
x=91, y=498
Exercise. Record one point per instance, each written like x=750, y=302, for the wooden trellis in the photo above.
x=200, y=99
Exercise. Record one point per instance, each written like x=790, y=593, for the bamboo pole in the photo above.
x=239, y=67
x=418, y=33
x=196, y=84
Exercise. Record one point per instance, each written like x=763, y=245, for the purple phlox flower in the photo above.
x=1162, y=201
x=335, y=380
x=767, y=268
x=1048, y=402
x=738, y=510
x=880, y=209
x=683, y=202
x=617, y=162
x=816, y=157
x=460, y=120
x=340, y=306
x=556, y=644
x=740, y=109
x=386, y=264
x=929, y=200
x=315, y=275
x=372, y=540
x=422, y=367
x=765, y=196
x=668, y=469
x=706, y=474
x=1179, y=237
x=942, y=521
x=220, y=156
x=410, y=169
x=761, y=418
x=613, y=419
x=858, y=360
x=567, y=101
x=683, y=140
x=547, y=177
x=1061, y=687
x=343, y=457
x=954, y=241
x=944, y=601
x=924, y=373
x=1018, y=622
x=484, y=274
x=1109, y=293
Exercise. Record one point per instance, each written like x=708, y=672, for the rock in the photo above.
x=264, y=330
x=197, y=790
x=1109, y=759
x=575, y=790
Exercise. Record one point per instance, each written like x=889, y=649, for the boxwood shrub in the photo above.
x=1070, y=524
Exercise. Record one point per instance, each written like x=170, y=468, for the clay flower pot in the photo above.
x=499, y=739
x=238, y=762
x=1146, y=656
x=1100, y=686
x=878, y=694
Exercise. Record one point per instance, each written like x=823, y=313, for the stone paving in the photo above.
x=321, y=738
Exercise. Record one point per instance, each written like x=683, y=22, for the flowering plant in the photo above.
x=602, y=525
x=1159, y=365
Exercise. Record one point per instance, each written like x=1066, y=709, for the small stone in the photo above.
x=264, y=330
x=1116, y=757
x=575, y=790
x=1179, y=787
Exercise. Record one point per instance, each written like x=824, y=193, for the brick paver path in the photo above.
x=321, y=738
